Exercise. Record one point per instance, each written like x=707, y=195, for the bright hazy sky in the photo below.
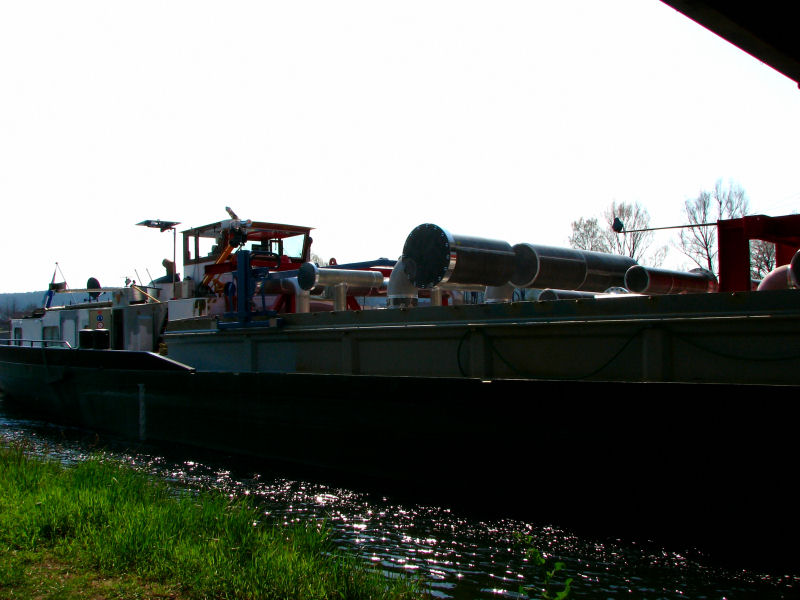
x=364, y=119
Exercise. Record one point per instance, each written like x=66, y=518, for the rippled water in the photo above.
x=458, y=556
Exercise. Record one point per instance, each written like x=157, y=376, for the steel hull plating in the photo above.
x=703, y=338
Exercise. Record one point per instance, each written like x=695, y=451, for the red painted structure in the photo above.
x=734, y=246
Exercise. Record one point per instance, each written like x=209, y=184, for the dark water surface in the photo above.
x=457, y=555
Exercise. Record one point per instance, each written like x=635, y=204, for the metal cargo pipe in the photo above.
x=496, y=294
x=340, y=296
x=615, y=292
x=462, y=287
x=549, y=294
x=568, y=268
x=434, y=255
x=783, y=277
x=400, y=291
x=780, y=278
x=302, y=300
x=354, y=290
x=647, y=280
x=310, y=276
x=323, y=290
x=285, y=285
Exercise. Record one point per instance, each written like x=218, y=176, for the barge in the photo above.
x=668, y=415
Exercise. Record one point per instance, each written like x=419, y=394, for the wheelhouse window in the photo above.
x=290, y=246
x=209, y=242
x=198, y=248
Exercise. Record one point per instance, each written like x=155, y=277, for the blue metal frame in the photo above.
x=246, y=279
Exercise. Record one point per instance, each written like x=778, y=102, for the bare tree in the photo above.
x=317, y=260
x=586, y=236
x=762, y=258
x=634, y=217
x=598, y=234
x=700, y=243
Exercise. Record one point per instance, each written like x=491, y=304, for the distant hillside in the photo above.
x=19, y=301
x=25, y=301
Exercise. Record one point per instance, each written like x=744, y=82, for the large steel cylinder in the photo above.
x=783, y=277
x=433, y=255
x=551, y=294
x=647, y=280
x=310, y=276
x=568, y=268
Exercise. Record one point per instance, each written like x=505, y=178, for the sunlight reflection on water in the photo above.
x=457, y=556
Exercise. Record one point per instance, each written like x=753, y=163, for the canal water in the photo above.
x=457, y=555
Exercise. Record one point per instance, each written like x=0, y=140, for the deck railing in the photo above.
x=29, y=343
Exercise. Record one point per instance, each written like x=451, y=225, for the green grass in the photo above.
x=102, y=530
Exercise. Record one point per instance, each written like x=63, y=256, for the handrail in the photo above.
x=23, y=342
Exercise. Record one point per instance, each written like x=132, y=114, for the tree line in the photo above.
x=698, y=242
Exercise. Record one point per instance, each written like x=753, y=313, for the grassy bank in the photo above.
x=102, y=530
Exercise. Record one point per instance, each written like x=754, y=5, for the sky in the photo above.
x=506, y=120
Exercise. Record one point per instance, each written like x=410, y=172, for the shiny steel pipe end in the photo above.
x=434, y=256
